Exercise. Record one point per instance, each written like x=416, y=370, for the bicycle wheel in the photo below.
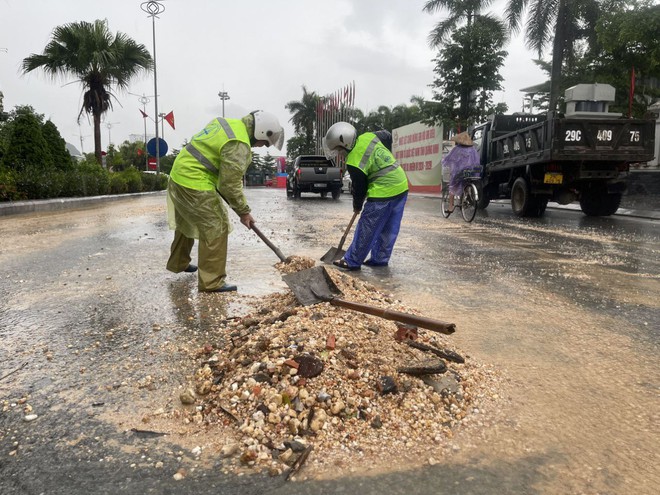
x=469, y=202
x=444, y=204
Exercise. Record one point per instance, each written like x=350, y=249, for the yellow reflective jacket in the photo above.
x=384, y=175
x=197, y=166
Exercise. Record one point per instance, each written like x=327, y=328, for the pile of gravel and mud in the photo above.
x=325, y=386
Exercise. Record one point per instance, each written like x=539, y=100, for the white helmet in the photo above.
x=268, y=128
x=340, y=136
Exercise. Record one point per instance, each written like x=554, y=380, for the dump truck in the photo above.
x=582, y=155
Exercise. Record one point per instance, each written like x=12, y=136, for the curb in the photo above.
x=41, y=205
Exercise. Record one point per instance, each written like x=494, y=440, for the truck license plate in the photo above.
x=553, y=178
x=320, y=185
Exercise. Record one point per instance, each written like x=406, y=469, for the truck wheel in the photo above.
x=521, y=198
x=484, y=200
x=324, y=194
x=296, y=191
x=537, y=206
x=596, y=202
x=289, y=192
x=611, y=203
x=336, y=193
x=541, y=205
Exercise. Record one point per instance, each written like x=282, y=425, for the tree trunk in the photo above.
x=558, y=47
x=97, y=138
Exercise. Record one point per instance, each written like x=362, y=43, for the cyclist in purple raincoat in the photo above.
x=462, y=157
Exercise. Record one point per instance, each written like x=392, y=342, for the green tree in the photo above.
x=566, y=23
x=167, y=161
x=627, y=34
x=114, y=160
x=98, y=60
x=474, y=73
x=56, y=146
x=255, y=164
x=304, y=121
x=128, y=155
x=26, y=146
x=387, y=118
x=268, y=164
x=625, y=38
x=297, y=145
x=465, y=38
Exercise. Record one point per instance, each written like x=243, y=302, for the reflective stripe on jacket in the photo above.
x=196, y=166
x=384, y=175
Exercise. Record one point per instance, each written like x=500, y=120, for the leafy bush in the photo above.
x=149, y=182
x=86, y=179
x=162, y=182
x=133, y=179
x=118, y=184
x=39, y=183
x=8, y=191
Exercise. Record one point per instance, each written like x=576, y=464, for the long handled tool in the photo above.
x=336, y=253
x=254, y=228
x=269, y=244
x=314, y=285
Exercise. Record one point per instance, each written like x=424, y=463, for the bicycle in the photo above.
x=467, y=201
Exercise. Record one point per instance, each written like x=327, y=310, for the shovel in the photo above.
x=314, y=285
x=263, y=238
x=269, y=244
x=336, y=253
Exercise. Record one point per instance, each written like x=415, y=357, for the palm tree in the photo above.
x=304, y=117
x=467, y=15
x=562, y=21
x=98, y=59
x=460, y=11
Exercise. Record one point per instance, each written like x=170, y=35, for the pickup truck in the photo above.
x=533, y=159
x=314, y=174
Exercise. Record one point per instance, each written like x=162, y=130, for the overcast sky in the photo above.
x=260, y=52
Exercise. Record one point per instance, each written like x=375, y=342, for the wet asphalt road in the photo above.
x=93, y=331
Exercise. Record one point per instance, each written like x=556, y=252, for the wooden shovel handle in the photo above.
x=268, y=243
x=420, y=321
x=348, y=229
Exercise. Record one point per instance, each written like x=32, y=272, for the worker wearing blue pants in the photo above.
x=376, y=232
x=377, y=177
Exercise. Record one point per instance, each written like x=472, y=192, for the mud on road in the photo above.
x=101, y=339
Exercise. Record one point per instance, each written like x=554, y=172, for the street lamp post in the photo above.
x=144, y=100
x=223, y=96
x=109, y=126
x=154, y=8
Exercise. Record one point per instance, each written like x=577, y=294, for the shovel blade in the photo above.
x=332, y=255
x=311, y=286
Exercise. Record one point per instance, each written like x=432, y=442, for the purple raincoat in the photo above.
x=458, y=159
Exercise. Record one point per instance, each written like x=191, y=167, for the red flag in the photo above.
x=170, y=118
x=144, y=115
x=632, y=92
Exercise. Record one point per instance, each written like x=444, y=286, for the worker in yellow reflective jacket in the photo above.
x=377, y=177
x=210, y=166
